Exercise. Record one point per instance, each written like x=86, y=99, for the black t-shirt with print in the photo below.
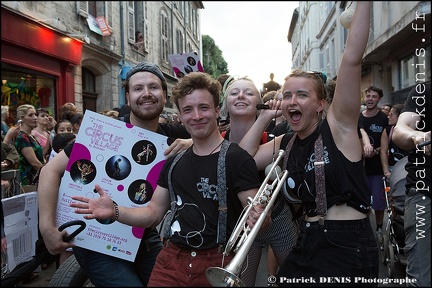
x=194, y=181
x=374, y=126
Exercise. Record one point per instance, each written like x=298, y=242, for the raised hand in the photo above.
x=100, y=208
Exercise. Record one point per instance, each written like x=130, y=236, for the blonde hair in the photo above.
x=224, y=108
x=110, y=113
x=23, y=109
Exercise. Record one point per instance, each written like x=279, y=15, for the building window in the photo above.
x=415, y=68
x=92, y=8
x=179, y=42
x=89, y=90
x=25, y=86
x=131, y=21
x=164, y=37
x=138, y=24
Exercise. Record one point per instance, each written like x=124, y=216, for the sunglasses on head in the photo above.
x=321, y=75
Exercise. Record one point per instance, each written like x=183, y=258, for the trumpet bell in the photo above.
x=221, y=277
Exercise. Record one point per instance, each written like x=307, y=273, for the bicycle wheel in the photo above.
x=70, y=274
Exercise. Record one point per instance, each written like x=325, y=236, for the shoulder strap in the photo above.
x=320, y=191
x=320, y=198
x=288, y=149
x=221, y=191
x=169, y=217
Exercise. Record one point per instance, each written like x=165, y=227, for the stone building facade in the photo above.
x=80, y=51
x=398, y=53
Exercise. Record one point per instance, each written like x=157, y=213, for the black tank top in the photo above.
x=346, y=181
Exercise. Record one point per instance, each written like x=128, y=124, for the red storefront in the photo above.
x=37, y=63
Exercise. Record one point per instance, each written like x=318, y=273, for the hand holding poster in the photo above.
x=125, y=161
x=185, y=63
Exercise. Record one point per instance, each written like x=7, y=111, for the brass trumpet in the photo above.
x=229, y=276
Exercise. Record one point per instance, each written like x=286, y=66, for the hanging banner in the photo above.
x=103, y=26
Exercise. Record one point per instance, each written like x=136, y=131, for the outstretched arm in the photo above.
x=345, y=108
x=406, y=136
x=103, y=208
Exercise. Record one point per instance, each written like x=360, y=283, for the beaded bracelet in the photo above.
x=116, y=209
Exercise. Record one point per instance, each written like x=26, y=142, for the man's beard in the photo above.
x=147, y=114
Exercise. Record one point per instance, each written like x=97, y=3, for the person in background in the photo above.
x=11, y=134
x=110, y=113
x=9, y=158
x=175, y=118
x=390, y=153
x=374, y=122
x=61, y=140
x=196, y=216
x=386, y=108
x=266, y=97
x=271, y=85
x=241, y=98
x=124, y=110
x=145, y=83
x=41, y=131
x=325, y=163
x=164, y=118
x=67, y=110
x=412, y=129
x=278, y=125
x=139, y=40
x=31, y=157
x=224, y=80
x=4, y=116
x=76, y=120
x=63, y=126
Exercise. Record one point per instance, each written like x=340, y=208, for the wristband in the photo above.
x=116, y=210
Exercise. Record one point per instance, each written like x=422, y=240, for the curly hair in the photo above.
x=193, y=81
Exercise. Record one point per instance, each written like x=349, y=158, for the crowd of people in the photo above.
x=337, y=152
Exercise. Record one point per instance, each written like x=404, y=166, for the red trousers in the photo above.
x=176, y=267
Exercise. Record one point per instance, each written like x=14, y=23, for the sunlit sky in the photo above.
x=252, y=37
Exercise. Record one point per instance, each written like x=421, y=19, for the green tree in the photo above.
x=213, y=61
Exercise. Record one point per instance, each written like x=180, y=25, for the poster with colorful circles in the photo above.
x=184, y=63
x=125, y=161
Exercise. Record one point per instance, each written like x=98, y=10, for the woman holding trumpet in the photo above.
x=325, y=165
